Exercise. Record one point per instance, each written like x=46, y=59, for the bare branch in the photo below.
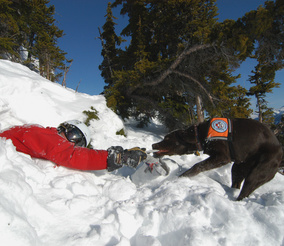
x=195, y=81
x=78, y=85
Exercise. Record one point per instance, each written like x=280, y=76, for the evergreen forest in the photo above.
x=174, y=60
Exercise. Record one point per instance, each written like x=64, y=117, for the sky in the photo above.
x=80, y=20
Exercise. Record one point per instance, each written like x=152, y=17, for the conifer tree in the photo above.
x=265, y=26
x=231, y=101
x=43, y=38
x=110, y=41
x=30, y=24
x=179, y=57
x=263, y=79
x=175, y=52
x=9, y=30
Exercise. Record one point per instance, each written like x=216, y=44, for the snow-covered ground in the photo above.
x=44, y=205
x=278, y=114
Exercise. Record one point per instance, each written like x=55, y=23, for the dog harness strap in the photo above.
x=230, y=140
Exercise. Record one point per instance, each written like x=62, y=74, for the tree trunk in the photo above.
x=66, y=70
x=259, y=109
x=199, y=110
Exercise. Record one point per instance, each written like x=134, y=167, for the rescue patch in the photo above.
x=219, y=128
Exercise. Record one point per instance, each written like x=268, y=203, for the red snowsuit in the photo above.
x=46, y=143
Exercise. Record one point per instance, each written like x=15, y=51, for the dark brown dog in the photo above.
x=256, y=152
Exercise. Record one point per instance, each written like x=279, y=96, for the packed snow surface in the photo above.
x=44, y=205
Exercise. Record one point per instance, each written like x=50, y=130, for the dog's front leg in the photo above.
x=208, y=164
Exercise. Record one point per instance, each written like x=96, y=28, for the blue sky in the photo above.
x=80, y=19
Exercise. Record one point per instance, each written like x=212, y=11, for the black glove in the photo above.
x=132, y=157
x=117, y=157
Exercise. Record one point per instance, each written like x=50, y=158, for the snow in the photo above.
x=278, y=114
x=43, y=205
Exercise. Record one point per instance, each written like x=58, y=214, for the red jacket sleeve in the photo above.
x=46, y=143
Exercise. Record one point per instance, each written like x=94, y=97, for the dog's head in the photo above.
x=178, y=142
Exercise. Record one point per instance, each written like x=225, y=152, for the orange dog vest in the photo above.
x=219, y=129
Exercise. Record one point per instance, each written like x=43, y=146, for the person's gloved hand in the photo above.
x=114, y=158
x=117, y=157
x=132, y=157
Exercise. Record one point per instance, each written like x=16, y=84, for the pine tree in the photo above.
x=263, y=79
x=9, y=30
x=265, y=27
x=43, y=38
x=230, y=101
x=30, y=24
x=110, y=41
x=160, y=34
x=179, y=57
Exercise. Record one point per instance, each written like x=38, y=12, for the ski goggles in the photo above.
x=73, y=134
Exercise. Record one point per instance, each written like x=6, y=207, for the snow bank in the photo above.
x=43, y=205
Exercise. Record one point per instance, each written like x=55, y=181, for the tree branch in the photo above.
x=197, y=82
x=173, y=66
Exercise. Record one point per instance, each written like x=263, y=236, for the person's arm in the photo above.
x=45, y=143
x=80, y=158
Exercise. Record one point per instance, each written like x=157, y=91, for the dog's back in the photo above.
x=250, y=137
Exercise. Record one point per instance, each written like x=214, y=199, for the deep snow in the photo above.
x=41, y=204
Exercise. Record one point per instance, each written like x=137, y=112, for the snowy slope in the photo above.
x=278, y=114
x=43, y=205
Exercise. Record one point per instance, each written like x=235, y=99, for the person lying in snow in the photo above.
x=66, y=146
